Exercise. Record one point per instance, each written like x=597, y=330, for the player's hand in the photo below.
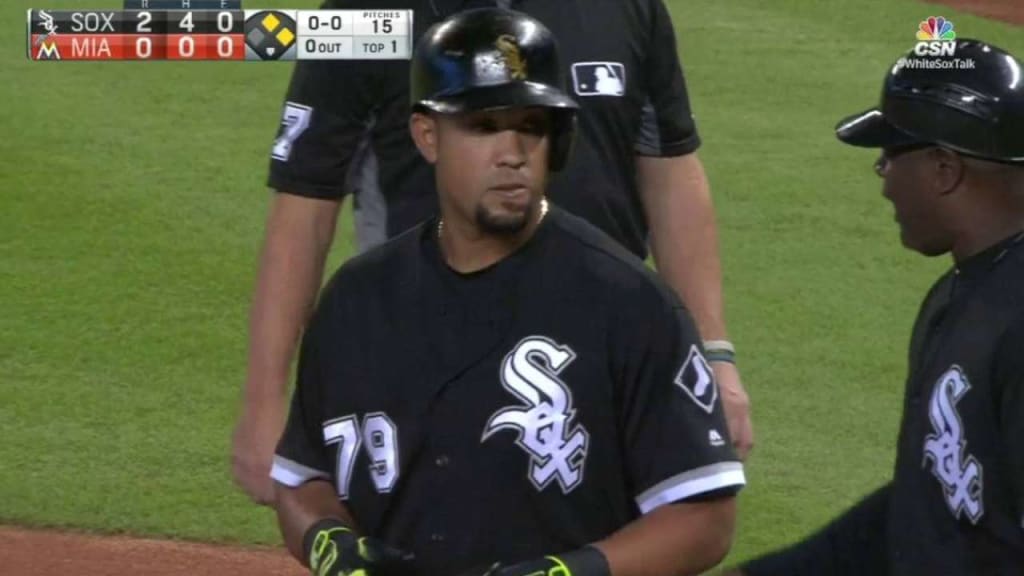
x=337, y=551
x=252, y=448
x=547, y=566
x=587, y=561
x=737, y=407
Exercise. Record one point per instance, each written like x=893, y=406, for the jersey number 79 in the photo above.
x=378, y=435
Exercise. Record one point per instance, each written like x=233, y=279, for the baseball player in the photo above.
x=635, y=174
x=526, y=397
x=951, y=132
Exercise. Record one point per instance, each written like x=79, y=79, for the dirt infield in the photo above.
x=46, y=553
x=1005, y=10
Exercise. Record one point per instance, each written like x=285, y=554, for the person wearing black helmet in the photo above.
x=951, y=135
x=636, y=174
x=526, y=397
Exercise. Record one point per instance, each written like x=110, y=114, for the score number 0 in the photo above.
x=334, y=22
x=225, y=21
x=186, y=45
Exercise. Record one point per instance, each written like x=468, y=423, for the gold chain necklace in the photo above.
x=543, y=212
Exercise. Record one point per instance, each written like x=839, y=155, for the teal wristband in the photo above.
x=719, y=351
x=720, y=356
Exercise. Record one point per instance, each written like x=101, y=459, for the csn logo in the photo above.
x=936, y=37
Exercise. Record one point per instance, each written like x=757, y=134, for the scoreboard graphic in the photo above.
x=210, y=30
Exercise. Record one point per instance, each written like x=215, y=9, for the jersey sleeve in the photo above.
x=667, y=125
x=1009, y=386
x=327, y=112
x=677, y=444
x=301, y=455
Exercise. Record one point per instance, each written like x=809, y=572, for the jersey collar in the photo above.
x=977, y=266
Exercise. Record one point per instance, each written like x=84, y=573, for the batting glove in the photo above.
x=334, y=550
x=587, y=561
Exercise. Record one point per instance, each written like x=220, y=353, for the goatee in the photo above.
x=504, y=224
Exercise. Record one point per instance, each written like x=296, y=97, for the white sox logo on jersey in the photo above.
x=557, y=448
x=698, y=381
x=960, y=478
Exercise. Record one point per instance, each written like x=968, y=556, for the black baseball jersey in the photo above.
x=623, y=69
x=956, y=504
x=957, y=500
x=529, y=408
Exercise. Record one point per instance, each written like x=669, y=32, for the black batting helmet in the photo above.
x=969, y=99
x=493, y=58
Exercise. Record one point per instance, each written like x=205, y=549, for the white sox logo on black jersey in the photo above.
x=698, y=381
x=556, y=446
x=960, y=478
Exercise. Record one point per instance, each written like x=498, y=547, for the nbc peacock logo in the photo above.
x=936, y=37
x=936, y=28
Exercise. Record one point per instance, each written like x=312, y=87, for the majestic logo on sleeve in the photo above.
x=698, y=381
x=946, y=448
x=557, y=447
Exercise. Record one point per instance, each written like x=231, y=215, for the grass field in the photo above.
x=132, y=209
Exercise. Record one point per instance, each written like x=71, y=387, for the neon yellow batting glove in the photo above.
x=586, y=561
x=333, y=549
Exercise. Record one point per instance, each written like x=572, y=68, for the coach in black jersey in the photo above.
x=525, y=396
x=635, y=174
x=951, y=130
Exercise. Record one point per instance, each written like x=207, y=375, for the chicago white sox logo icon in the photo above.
x=530, y=371
x=960, y=478
x=698, y=381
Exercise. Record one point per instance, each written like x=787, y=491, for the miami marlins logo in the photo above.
x=961, y=479
x=506, y=44
x=48, y=49
x=557, y=449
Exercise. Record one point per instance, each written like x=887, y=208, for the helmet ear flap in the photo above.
x=563, y=139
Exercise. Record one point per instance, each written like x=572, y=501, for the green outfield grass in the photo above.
x=132, y=209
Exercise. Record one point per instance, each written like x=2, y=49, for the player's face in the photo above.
x=916, y=192
x=492, y=167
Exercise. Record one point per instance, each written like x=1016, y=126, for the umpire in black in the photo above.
x=951, y=133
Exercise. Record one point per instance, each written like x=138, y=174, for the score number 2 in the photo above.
x=144, y=45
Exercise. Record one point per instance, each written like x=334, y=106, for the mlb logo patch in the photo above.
x=599, y=78
x=698, y=381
